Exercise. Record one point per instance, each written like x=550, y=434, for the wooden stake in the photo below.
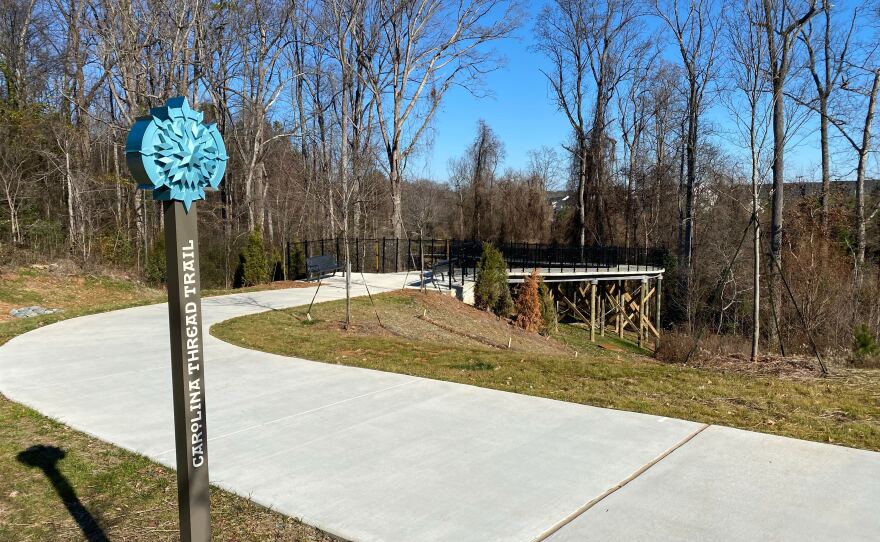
x=659, y=289
x=593, y=311
x=643, y=291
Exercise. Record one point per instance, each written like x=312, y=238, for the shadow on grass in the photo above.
x=46, y=458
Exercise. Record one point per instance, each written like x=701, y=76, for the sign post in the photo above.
x=174, y=154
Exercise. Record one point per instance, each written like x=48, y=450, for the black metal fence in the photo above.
x=388, y=255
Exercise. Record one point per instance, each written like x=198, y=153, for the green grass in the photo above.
x=844, y=409
x=130, y=497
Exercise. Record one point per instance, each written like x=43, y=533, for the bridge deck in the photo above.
x=577, y=274
x=567, y=274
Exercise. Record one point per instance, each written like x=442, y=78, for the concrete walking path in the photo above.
x=369, y=455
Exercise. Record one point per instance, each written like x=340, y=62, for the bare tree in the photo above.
x=264, y=30
x=694, y=25
x=826, y=72
x=591, y=47
x=782, y=23
x=459, y=180
x=425, y=47
x=545, y=166
x=747, y=51
x=20, y=166
x=483, y=157
x=633, y=113
x=866, y=86
x=665, y=102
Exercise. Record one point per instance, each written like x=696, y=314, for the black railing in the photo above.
x=388, y=255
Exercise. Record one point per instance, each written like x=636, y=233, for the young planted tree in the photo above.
x=528, y=304
x=491, y=292
x=747, y=49
x=549, y=316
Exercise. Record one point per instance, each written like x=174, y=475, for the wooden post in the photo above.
x=657, y=308
x=621, y=310
x=593, y=286
x=602, y=312
x=421, y=264
x=642, y=306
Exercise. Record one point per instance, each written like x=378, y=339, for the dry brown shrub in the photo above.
x=528, y=304
x=730, y=353
x=674, y=348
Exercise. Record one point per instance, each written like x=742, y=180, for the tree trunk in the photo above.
x=682, y=266
x=14, y=227
x=582, y=181
x=778, y=191
x=687, y=239
x=861, y=222
x=396, y=202
x=71, y=212
x=826, y=162
x=756, y=269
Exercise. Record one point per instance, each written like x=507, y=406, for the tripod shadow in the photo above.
x=46, y=458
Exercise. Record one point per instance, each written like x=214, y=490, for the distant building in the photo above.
x=804, y=189
x=560, y=200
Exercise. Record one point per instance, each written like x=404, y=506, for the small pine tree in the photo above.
x=528, y=304
x=549, y=317
x=253, y=262
x=155, y=268
x=491, y=291
x=864, y=345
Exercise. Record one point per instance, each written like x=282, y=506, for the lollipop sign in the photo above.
x=176, y=155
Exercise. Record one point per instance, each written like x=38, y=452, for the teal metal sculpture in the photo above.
x=175, y=154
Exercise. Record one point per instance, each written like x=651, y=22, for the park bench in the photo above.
x=321, y=266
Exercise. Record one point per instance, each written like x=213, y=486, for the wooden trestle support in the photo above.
x=614, y=305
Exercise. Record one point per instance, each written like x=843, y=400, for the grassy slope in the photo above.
x=131, y=497
x=76, y=295
x=844, y=409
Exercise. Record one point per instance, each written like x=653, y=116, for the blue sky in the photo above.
x=521, y=111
